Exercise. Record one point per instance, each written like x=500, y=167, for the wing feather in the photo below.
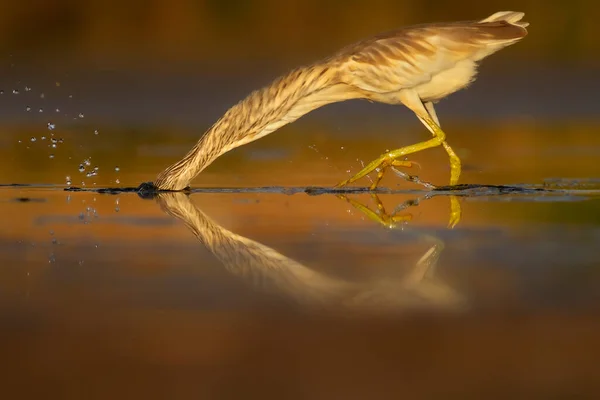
x=411, y=56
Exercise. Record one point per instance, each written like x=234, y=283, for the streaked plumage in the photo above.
x=415, y=66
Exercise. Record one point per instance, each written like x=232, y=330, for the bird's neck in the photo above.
x=262, y=112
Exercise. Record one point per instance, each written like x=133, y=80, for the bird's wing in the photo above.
x=412, y=56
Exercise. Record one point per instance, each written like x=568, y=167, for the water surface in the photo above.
x=217, y=294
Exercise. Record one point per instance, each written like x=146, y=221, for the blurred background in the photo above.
x=234, y=35
x=195, y=58
x=152, y=75
x=100, y=291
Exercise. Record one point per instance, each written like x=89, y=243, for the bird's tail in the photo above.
x=512, y=17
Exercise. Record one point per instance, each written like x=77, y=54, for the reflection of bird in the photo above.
x=415, y=66
x=270, y=271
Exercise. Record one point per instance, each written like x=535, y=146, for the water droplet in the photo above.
x=117, y=181
x=96, y=168
x=27, y=108
x=80, y=115
x=41, y=110
x=87, y=162
x=42, y=95
x=15, y=91
x=33, y=139
x=57, y=110
x=117, y=169
x=60, y=141
x=81, y=168
x=1, y=91
x=53, y=140
x=96, y=131
x=68, y=179
x=53, y=145
x=70, y=96
x=342, y=148
x=51, y=126
x=51, y=156
x=27, y=89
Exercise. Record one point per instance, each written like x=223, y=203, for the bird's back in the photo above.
x=415, y=55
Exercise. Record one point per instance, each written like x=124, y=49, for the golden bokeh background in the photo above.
x=223, y=33
x=105, y=296
x=155, y=74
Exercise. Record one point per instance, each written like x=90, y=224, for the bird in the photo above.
x=415, y=66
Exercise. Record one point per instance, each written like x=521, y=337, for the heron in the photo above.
x=416, y=66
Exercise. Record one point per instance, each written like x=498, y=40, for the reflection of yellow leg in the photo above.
x=455, y=212
x=381, y=216
x=391, y=157
x=391, y=221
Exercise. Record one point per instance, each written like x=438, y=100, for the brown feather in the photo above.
x=431, y=61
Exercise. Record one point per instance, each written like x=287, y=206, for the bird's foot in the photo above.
x=413, y=178
x=380, y=165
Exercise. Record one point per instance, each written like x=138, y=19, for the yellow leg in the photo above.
x=455, y=167
x=381, y=171
x=430, y=109
x=391, y=157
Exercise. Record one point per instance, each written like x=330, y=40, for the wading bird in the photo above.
x=415, y=66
